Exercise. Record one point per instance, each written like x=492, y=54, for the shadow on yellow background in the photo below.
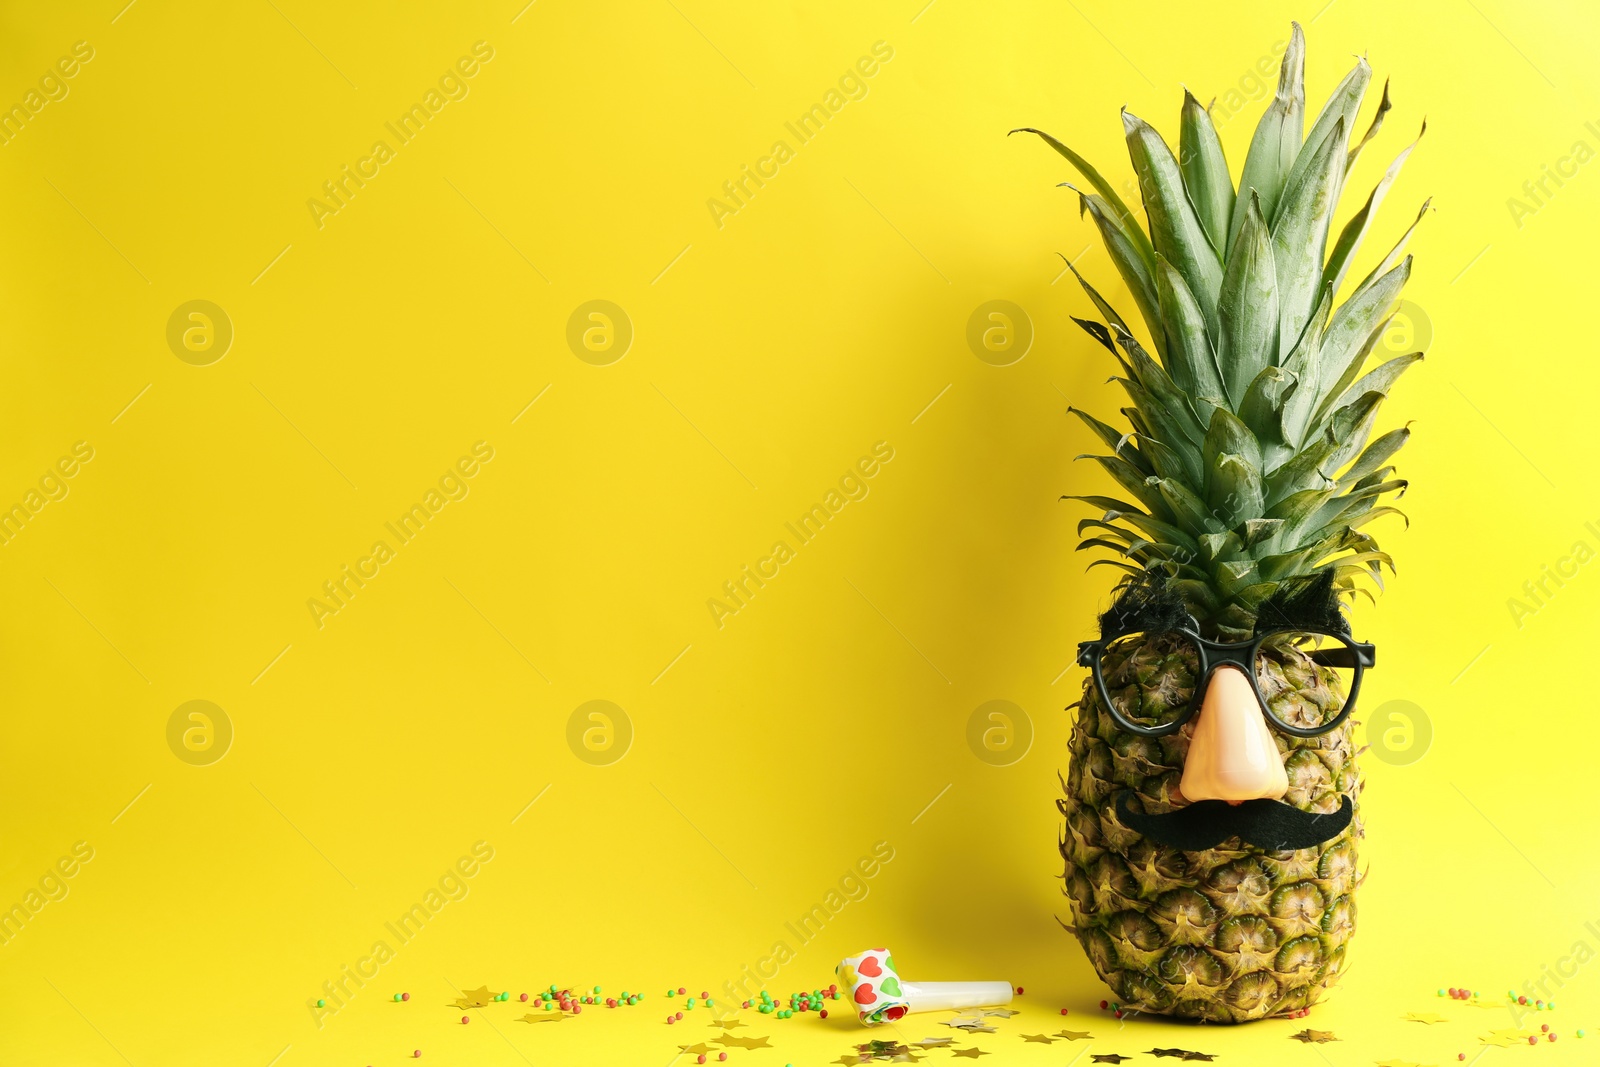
x=365, y=740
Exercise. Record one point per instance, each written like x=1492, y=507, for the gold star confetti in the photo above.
x=1399, y=1063
x=1000, y=1013
x=936, y=1042
x=475, y=998
x=546, y=1017
x=1504, y=1038
x=743, y=1042
x=1107, y=1057
x=885, y=1050
x=969, y=1024
x=727, y=1024
x=1423, y=1017
x=696, y=1049
x=1181, y=1054
x=969, y=1053
x=1321, y=1037
x=1076, y=1035
x=1039, y=1039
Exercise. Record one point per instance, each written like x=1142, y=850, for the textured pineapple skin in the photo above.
x=1228, y=935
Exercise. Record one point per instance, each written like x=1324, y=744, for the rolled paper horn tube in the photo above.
x=880, y=995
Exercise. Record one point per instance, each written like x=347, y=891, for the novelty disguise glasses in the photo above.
x=1270, y=660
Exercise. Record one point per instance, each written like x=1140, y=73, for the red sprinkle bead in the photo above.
x=1102, y=1005
x=465, y=1019
x=679, y=1015
x=1522, y=1000
x=405, y=996
x=704, y=995
x=823, y=1013
x=417, y=1055
x=680, y=991
x=1019, y=991
x=1063, y=1011
x=577, y=1009
x=1118, y=1013
x=1552, y=1037
x=1545, y=1028
x=700, y=1058
x=722, y=1055
x=524, y=996
x=1532, y=1040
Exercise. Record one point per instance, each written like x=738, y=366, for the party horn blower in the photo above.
x=881, y=995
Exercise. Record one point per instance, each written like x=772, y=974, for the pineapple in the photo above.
x=1246, y=471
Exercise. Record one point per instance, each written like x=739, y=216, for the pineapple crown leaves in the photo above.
x=1250, y=462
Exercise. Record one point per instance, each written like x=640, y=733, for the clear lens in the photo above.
x=1305, y=677
x=1151, y=677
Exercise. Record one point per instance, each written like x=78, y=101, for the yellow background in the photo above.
x=769, y=354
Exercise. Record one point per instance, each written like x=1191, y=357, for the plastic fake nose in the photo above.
x=1232, y=755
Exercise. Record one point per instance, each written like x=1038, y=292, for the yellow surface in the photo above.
x=773, y=347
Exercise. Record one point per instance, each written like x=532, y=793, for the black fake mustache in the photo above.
x=1270, y=825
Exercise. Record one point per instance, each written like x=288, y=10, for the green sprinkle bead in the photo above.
x=597, y=989
x=397, y=998
x=322, y=1003
x=671, y=993
x=1580, y=1033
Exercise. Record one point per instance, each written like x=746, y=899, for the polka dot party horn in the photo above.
x=881, y=995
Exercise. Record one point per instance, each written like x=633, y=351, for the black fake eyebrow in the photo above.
x=1146, y=603
x=1307, y=605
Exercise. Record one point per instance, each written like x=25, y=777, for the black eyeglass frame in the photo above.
x=1241, y=654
